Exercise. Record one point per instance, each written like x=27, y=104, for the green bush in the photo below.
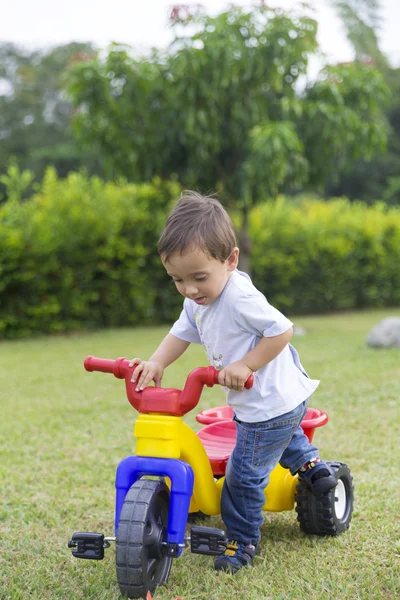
x=83, y=253
x=313, y=256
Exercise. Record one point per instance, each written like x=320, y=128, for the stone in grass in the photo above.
x=386, y=334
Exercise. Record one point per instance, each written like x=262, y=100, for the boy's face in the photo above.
x=199, y=277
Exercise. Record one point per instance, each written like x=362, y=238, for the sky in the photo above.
x=144, y=23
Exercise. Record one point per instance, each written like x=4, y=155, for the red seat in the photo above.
x=219, y=440
x=213, y=415
x=219, y=436
x=312, y=419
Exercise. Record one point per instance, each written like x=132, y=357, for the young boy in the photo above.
x=242, y=334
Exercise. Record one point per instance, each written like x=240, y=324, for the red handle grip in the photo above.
x=105, y=365
x=249, y=382
x=118, y=367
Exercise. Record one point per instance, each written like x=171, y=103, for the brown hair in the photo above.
x=201, y=221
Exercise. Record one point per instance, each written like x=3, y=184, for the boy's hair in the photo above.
x=201, y=221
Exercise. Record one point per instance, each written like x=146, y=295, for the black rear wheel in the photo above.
x=141, y=562
x=330, y=513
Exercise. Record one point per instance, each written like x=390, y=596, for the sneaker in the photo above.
x=318, y=475
x=236, y=556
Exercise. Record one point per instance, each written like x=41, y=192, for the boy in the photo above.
x=242, y=334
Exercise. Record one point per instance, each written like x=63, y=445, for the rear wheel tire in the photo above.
x=141, y=562
x=330, y=513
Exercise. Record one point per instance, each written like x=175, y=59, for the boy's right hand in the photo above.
x=146, y=371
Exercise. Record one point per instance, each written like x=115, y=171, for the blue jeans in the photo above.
x=259, y=448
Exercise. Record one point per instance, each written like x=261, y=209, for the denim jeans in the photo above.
x=259, y=448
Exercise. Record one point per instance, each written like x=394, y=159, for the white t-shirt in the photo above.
x=232, y=326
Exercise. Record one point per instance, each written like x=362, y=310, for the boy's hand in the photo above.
x=235, y=375
x=146, y=371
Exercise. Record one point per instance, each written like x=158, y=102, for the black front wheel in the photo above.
x=141, y=562
x=330, y=513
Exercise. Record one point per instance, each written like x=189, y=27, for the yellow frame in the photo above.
x=162, y=436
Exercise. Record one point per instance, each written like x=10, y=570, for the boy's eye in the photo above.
x=201, y=278
x=177, y=280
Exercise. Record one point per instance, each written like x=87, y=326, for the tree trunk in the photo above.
x=245, y=243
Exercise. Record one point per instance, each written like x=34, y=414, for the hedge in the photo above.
x=82, y=253
x=314, y=257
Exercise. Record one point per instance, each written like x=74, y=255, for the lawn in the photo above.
x=63, y=431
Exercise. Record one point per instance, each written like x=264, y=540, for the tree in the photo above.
x=376, y=179
x=343, y=119
x=221, y=111
x=361, y=20
x=35, y=113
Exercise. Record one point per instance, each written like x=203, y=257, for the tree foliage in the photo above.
x=362, y=20
x=222, y=109
x=344, y=119
x=190, y=111
x=377, y=178
x=223, y=100
x=35, y=113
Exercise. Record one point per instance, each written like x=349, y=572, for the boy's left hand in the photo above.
x=235, y=375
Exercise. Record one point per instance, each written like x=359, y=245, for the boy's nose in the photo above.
x=191, y=291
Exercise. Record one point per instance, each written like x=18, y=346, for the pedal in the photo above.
x=207, y=540
x=88, y=545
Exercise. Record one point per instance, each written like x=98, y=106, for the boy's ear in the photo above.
x=233, y=259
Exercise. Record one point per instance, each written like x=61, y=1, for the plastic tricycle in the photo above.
x=177, y=473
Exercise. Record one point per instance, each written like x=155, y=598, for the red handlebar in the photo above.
x=162, y=400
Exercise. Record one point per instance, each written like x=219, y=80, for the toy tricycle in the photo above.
x=177, y=473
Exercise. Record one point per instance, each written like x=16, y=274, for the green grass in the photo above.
x=63, y=431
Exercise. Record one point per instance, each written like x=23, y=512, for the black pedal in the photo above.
x=207, y=540
x=88, y=545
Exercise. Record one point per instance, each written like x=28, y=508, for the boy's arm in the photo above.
x=167, y=352
x=266, y=350
x=235, y=375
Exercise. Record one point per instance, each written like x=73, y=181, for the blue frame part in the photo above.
x=132, y=468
